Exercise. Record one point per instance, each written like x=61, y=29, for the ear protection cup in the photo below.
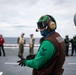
x=52, y=25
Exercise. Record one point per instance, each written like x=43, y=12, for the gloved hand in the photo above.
x=29, y=57
x=22, y=62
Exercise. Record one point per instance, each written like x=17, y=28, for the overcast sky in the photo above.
x=17, y=16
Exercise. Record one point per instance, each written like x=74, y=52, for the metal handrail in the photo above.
x=16, y=45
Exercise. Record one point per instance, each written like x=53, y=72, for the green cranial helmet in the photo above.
x=44, y=21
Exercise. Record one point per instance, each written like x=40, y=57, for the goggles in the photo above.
x=41, y=25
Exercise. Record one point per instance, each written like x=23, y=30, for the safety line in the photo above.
x=1, y=73
x=11, y=63
x=72, y=63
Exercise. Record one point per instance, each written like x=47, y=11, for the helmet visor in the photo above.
x=41, y=25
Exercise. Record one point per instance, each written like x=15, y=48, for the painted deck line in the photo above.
x=1, y=73
x=72, y=63
x=11, y=63
x=14, y=63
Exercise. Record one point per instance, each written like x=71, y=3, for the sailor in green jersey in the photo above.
x=50, y=50
x=73, y=44
x=67, y=42
x=43, y=55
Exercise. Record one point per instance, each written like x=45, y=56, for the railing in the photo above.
x=16, y=45
x=26, y=45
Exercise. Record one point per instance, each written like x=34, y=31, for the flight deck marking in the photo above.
x=1, y=73
x=11, y=63
x=72, y=63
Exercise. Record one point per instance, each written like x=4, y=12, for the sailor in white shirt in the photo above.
x=31, y=45
x=21, y=42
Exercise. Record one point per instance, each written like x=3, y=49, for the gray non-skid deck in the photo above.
x=9, y=66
